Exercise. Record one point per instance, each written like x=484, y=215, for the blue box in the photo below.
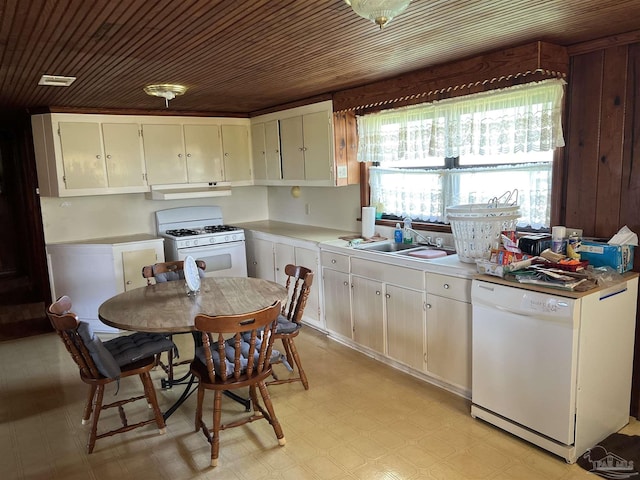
x=619, y=257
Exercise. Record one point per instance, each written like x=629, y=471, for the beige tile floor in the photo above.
x=359, y=420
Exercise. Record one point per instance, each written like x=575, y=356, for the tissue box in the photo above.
x=601, y=254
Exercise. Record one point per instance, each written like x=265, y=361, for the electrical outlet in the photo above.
x=307, y=208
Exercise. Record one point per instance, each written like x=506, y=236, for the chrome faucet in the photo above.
x=418, y=234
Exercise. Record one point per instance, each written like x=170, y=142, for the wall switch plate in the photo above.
x=307, y=208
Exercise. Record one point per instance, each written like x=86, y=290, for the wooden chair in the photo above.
x=299, y=280
x=167, y=272
x=98, y=368
x=246, y=362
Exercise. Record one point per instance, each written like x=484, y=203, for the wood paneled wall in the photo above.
x=602, y=153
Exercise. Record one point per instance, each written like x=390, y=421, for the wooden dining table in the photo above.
x=169, y=307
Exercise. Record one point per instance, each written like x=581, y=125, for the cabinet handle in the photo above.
x=388, y=296
x=446, y=286
x=334, y=261
x=188, y=155
x=179, y=155
x=301, y=149
x=428, y=305
x=255, y=263
x=108, y=156
x=98, y=157
x=377, y=292
x=226, y=154
x=128, y=282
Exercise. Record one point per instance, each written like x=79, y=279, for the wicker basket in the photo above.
x=476, y=228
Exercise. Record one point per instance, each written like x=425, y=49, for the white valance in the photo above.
x=523, y=118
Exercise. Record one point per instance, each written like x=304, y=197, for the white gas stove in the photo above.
x=200, y=232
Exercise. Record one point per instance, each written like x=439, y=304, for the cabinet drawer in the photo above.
x=402, y=276
x=450, y=287
x=335, y=261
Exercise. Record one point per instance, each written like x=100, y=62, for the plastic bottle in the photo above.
x=558, y=234
x=407, y=237
x=397, y=234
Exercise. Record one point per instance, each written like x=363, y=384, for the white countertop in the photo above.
x=293, y=230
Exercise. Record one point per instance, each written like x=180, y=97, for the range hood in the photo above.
x=181, y=191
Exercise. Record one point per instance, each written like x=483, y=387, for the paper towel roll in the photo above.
x=368, y=221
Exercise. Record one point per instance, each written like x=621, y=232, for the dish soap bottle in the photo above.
x=397, y=234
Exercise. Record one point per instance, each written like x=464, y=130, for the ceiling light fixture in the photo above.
x=379, y=12
x=165, y=90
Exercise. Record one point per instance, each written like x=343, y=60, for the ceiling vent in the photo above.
x=56, y=80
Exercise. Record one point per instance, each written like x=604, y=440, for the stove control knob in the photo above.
x=212, y=240
x=187, y=243
x=195, y=242
x=226, y=238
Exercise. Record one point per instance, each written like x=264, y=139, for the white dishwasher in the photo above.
x=554, y=369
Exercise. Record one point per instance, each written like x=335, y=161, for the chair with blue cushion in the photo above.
x=299, y=280
x=167, y=272
x=101, y=364
x=236, y=352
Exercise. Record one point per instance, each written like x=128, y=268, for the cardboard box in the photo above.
x=598, y=254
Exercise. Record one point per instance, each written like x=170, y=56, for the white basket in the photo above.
x=476, y=228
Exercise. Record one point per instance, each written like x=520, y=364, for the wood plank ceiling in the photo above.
x=246, y=56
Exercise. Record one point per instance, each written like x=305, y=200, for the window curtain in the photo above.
x=424, y=194
x=523, y=118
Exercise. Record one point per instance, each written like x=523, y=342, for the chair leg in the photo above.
x=298, y=362
x=96, y=415
x=215, y=440
x=89, y=406
x=198, y=420
x=273, y=420
x=152, y=400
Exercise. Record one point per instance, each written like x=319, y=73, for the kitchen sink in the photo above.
x=418, y=251
x=406, y=249
x=387, y=247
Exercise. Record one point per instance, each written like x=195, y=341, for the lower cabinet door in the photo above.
x=337, y=302
x=449, y=340
x=406, y=326
x=367, y=303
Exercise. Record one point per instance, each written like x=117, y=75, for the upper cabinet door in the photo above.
x=258, y=150
x=237, y=156
x=82, y=156
x=204, y=153
x=292, y=143
x=123, y=155
x=272, y=150
x=164, y=154
x=318, y=146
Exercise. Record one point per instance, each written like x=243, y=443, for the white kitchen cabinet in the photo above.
x=367, y=304
x=92, y=271
x=183, y=153
x=393, y=297
x=123, y=155
x=267, y=255
x=449, y=329
x=306, y=142
x=336, y=284
x=79, y=155
x=406, y=326
x=265, y=144
x=203, y=147
x=300, y=148
x=164, y=154
x=237, y=154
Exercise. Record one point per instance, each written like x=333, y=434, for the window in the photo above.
x=466, y=150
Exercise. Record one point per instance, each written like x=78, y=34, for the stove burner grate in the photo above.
x=181, y=232
x=219, y=228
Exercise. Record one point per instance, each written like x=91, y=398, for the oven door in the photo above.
x=223, y=260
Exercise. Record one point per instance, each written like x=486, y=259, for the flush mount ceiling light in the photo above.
x=165, y=90
x=379, y=12
x=56, y=80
